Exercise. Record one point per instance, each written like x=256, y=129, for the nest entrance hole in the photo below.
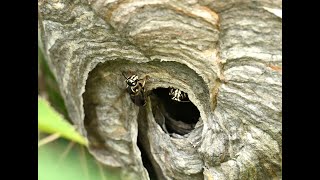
x=173, y=116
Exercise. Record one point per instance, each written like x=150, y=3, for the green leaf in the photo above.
x=55, y=164
x=50, y=121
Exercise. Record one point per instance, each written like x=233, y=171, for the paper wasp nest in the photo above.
x=225, y=55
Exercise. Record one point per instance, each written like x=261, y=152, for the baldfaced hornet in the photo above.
x=178, y=95
x=135, y=88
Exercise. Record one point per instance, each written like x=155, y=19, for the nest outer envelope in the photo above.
x=226, y=55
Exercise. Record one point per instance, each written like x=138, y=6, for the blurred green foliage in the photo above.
x=56, y=163
x=47, y=86
x=50, y=121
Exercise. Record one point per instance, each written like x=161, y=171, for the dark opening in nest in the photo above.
x=173, y=116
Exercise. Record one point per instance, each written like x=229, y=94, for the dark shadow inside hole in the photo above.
x=180, y=117
x=145, y=160
x=143, y=143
